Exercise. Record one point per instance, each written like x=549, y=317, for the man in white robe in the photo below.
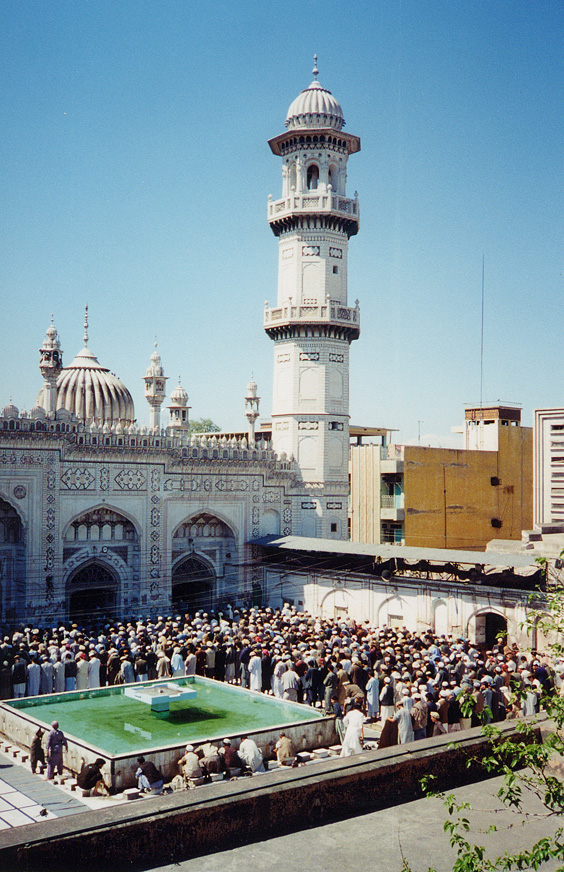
x=354, y=732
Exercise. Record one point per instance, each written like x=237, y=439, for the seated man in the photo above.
x=250, y=754
x=211, y=762
x=230, y=756
x=148, y=777
x=285, y=750
x=189, y=765
x=91, y=779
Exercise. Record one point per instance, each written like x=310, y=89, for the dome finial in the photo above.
x=315, y=70
x=86, y=325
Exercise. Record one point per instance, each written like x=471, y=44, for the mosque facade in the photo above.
x=101, y=516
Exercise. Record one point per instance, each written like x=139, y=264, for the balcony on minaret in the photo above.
x=344, y=320
x=316, y=201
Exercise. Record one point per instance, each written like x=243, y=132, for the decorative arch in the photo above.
x=92, y=592
x=193, y=583
x=293, y=178
x=333, y=177
x=336, y=603
x=439, y=611
x=392, y=611
x=203, y=525
x=115, y=520
x=12, y=558
x=312, y=177
x=12, y=530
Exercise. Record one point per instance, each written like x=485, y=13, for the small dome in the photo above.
x=252, y=388
x=10, y=411
x=155, y=367
x=51, y=340
x=179, y=397
x=315, y=107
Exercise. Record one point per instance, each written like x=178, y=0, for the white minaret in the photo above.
x=179, y=409
x=155, y=388
x=50, y=366
x=312, y=324
x=252, y=402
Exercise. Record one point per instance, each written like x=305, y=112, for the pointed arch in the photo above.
x=193, y=583
x=92, y=591
x=99, y=515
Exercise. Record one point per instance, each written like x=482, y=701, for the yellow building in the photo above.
x=442, y=497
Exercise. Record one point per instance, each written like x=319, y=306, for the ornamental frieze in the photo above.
x=231, y=485
x=74, y=479
x=183, y=484
x=130, y=479
x=270, y=497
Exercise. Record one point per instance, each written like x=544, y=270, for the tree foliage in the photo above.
x=203, y=425
x=527, y=767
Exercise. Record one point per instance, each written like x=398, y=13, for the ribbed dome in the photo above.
x=92, y=393
x=10, y=411
x=156, y=366
x=179, y=397
x=315, y=107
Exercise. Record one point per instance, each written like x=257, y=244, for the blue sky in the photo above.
x=135, y=172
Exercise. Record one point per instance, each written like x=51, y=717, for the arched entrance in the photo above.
x=496, y=630
x=192, y=585
x=12, y=560
x=92, y=593
x=491, y=629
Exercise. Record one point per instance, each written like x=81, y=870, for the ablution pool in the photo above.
x=109, y=723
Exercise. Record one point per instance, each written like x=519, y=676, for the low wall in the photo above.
x=167, y=829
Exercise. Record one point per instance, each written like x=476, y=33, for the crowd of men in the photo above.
x=416, y=684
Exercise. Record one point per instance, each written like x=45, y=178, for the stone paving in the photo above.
x=27, y=798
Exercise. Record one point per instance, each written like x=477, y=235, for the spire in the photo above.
x=50, y=366
x=252, y=408
x=315, y=71
x=155, y=388
x=85, y=337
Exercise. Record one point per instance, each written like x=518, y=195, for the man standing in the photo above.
x=55, y=743
x=19, y=675
x=290, y=681
x=255, y=671
x=354, y=732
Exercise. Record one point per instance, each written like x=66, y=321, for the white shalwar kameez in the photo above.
x=353, y=723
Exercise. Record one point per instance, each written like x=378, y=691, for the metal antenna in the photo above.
x=482, y=338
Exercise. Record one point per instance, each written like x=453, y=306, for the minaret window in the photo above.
x=312, y=177
x=293, y=177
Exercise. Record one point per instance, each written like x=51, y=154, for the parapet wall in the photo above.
x=168, y=829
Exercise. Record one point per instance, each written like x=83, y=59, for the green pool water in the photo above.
x=116, y=724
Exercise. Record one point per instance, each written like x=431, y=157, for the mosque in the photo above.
x=101, y=516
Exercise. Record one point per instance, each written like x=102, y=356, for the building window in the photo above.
x=335, y=270
x=333, y=527
x=312, y=177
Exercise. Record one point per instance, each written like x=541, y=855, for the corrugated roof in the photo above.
x=386, y=552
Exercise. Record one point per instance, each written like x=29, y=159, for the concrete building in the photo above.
x=446, y=498
x=549, y=467
x=463, y=593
